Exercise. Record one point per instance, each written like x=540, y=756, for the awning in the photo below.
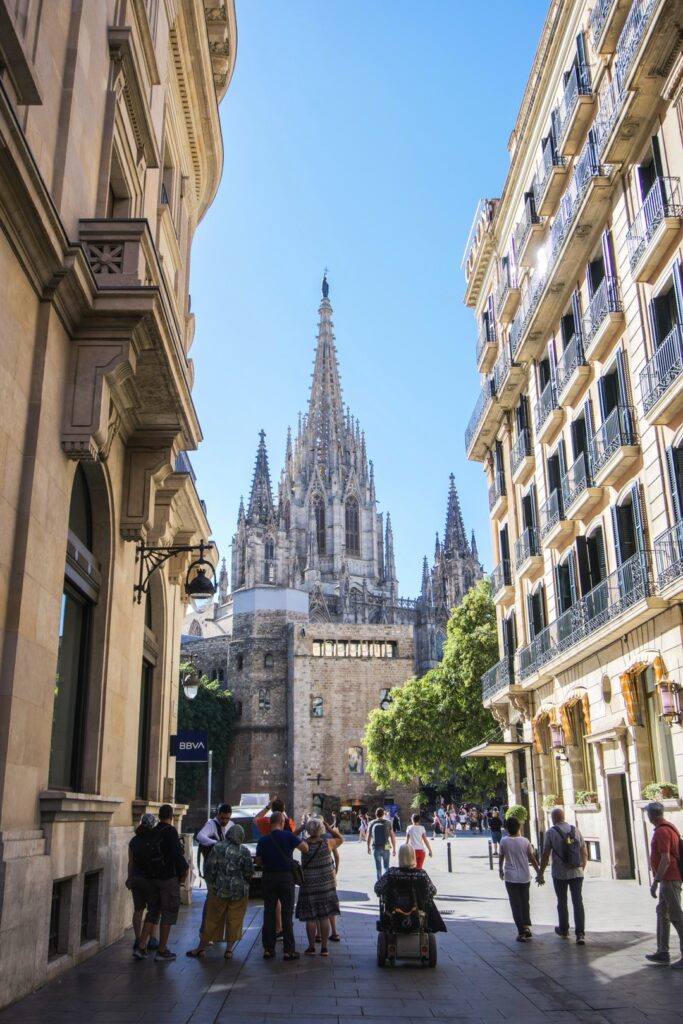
x=496, y=748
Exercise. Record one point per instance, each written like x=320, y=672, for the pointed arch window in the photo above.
x=352, y=526
x=319, y=514
x=269, y=562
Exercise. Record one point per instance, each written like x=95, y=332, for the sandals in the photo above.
x=195, y=952
x=310, y=951
x=291, y=956
x=334, y=937
x=268, y=954
x=324, y=951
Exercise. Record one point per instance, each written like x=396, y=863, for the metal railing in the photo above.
x=502, y=367
x=598, y=18
x=618, y=431
x=527, y=545
x=521, y=449
x=497, y=489
x=576, y=480
x=551, y=512
x=632, y=34
x=545, y=405
x=606, y=300
x=663, y=200
x=550, y=159
x=498, y=678
x=578, y=84
x=487, y=336
x=501, y=577
x=525, y=312
x=486, y=396
x=630, y=583
x=668, y=547
x=523, y=227
x=587, y=167
x=570, y=360
x=508, y=281
x=663, y=369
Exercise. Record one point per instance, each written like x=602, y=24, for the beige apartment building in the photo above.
x=575, y=276
x=110, y=154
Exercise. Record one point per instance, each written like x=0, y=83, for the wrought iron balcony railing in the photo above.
x=521, y=449
x=632, y=34
x=487, y=336
x=587, y=167
x=523, y=227
x=497, y=489
x=508, y=281
x=550, y=159
x=486, y=396
x=527, y=545
x=598, y=17
x=663, y=200
x=576, y=480
x=501, y=577
x=498, y=678
x=669, y=555
x=663, y=369
x=618, y=431
x=570, y=360
x=551, y=512
x=578, y=84
x=525, y=312
x=606, y=300
x=545, y=405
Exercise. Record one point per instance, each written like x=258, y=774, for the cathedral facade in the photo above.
x=313, y=634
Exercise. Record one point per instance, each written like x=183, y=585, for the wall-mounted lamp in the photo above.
x=668, y=693
x=557, y=741
x=200, y=588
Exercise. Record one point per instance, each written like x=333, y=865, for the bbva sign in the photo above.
x=190, y=746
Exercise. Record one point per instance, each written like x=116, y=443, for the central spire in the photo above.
x=261, y=498
x=325, y=422
x=455, y=539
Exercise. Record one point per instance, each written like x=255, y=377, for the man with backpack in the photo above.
x=380, y=835
x=213, y=832
x=162, y=862
x=570, y=854
x=665, y=861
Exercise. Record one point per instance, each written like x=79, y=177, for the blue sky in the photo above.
x=359, y=135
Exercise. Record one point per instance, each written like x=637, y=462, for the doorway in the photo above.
x=620, y=824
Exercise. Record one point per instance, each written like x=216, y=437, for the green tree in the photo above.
x=212, y=709
x=433, y=719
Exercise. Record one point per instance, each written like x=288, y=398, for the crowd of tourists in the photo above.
x=157, y=867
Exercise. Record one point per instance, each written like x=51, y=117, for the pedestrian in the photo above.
x=318, y=901
x=496, y=826
x=164, y=864
x=380, y=836
x=214, y=830
x=516, y=854
x=140, y=887
x=228, y=872
x=569, y=856
x=263, y=818
x=396, y=822
x=485, y=818
x=436, y=825
x=665, y=861
x=364, y=825
x=462, y=818
x=416, y=837
x=443, y=820
x=274, y=854
x=474, y=819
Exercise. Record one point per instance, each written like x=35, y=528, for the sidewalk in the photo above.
x=483, y=975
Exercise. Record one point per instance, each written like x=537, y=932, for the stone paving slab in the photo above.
x=483, y=975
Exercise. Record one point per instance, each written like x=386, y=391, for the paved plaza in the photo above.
x=483, y=974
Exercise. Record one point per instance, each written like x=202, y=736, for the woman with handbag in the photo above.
x=318, y=900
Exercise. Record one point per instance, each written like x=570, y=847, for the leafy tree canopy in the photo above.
x=433, y=719
x=212, y=709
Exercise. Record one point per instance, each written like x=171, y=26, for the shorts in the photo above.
x=419, y=858
x=142, y=892
x=165, y=901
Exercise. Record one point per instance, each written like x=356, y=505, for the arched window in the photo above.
x=195, y=628
x=269, y=562
x=264, y=699
x=242, y=577
x=352, y=526
x=319, y=513
x=268, y=661
x=239, y=662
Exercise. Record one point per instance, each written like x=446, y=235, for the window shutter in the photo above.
x=572, y=578
x=672, y=457
x=654, y=325
x=558, y=590
x=581, y=49
x=601, y=397
x=588, y=416
x=600, y=551
x=552, y=355
x=657, y=156
x=532, y=505
x=491, y=319
x=524, y=411
x=562, y=458
x=513, y=633
x=638, y=516
x=607, y=253
x=541, y=604
x=678, y=286
x=530, y=616
x=584, y=567
x=615, y=532
x=622, y=379
x=576, y=310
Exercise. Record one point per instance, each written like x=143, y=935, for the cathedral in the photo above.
x=311, y=634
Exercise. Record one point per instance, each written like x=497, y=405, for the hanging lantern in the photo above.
x=557, y=741
x=668, y=694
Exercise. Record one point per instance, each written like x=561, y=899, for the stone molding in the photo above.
x=60, y=805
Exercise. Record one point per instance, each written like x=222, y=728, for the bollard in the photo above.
x=490, y=855
x=450, y=857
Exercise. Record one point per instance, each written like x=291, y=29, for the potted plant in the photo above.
x=550, y=801
x=660, y=791
x=585, y=797
x=517, y=811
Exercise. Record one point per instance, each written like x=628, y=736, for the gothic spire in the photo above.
x=454, y=539
x=261, y=499
x=426, y=580
x=325, y=422
x=473, y=546
x=223, y=584
x=389, y=560
x=240, y=511
x=437, y=548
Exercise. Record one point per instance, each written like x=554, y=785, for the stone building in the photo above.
x=111, y=154
x=575, y=277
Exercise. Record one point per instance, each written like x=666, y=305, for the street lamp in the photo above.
x=191, y=683
x=199, y=587
x=557, y=741
x=668, y=692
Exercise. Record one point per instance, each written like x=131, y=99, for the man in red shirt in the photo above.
x=666, y=876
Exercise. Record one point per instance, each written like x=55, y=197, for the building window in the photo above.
x=364, y=649
x=317, y=648
x=268, y=661
x=90, y=906
x=58, y=935
x=392, y=649
x=342, y=648
x=659, y=741
x=354, y=649
x=195, y=628
x=329, y=648
x=239, y=662
x=352, y=527
x=144, y=730
x=317, y=707
x=356, y=760
x=269, y=562
x=385, y=698
x=580, y=754
x=319, y=515
x=264, y=699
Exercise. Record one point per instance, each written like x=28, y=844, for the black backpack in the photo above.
x=149, y=854
x=380, y=839
x=569, y=851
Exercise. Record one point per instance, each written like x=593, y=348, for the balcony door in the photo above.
x=565, y=577
x=650, y=169
x=536, y=610
x=591, y=559
x=666, y=311
x=510, y=635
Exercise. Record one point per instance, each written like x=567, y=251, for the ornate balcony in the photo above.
x=606, y=22
x=528, y=556
x=508, y=378
x=556, y=529
x=486, y=347
x=497, y=679
x=579, y=497
x=655, y=229
x=614, y=447
x=572, y=372
x=668, y=549
x=507, y=296
x=575, y=109
x=550, y=180
x=548, y=415
x=480, y=246
x=528, y=235
x=522, y=457
x=661, y=382
x=502, y=589
x=594, y=620
x=604, y=319
x=498, y=495
x=483, y=423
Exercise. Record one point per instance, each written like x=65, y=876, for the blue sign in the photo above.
x=190, y=747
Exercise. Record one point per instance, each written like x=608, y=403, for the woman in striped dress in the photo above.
x=318, y=899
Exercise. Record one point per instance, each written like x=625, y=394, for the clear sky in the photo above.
x=359, y=135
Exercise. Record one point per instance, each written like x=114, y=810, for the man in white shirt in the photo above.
x=416, y=836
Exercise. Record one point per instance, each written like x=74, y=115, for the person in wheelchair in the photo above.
x=407, y=897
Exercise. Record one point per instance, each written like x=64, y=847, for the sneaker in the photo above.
x=140, y=953
x=163, y=955
x=558, y=931
x=153, y=944
x=527, y=933
x=658, y=958
x=580, y=939
x=678, y=965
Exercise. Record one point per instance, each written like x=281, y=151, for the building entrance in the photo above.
x=620, y=826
